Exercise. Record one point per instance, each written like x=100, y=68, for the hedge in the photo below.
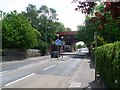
x=108, y=64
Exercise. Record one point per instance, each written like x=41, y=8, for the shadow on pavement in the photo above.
x=95, y=85
x=91, y=65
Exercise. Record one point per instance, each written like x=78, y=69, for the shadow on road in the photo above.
x=78, y=56
x=85, y=56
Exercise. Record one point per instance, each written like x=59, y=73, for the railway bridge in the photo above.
x=69, y=38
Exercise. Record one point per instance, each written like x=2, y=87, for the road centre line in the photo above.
x=3, y=72
x=32, y=64
x=61, y=62
x=49, y=67
x=19, y=79
x=21, y=67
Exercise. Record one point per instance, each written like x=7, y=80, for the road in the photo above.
x=40, y=72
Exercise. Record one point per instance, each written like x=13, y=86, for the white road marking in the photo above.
x=3, y=72
x=32, y=64
x=61, y=62
x=48, y=67
x=19, y=79
x=75, y=85
x=22, y=67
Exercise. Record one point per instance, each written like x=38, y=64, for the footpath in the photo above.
x=85, y=77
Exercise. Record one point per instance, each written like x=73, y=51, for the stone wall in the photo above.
x=19, y=54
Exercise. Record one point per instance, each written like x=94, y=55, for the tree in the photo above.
x=68, y=29
x=32, y=14
x=17, y=32
x=60, y=27
x=50, y=13
x=102, y=19
x=44, y=20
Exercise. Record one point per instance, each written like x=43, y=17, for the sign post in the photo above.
x=58, y=42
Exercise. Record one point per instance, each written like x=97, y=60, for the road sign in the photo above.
x=57, y=42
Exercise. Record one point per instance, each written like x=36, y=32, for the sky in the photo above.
x=65, y=10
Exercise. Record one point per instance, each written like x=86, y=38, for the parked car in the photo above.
x=54, y=54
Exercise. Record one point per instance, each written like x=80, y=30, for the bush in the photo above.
x=108, y=64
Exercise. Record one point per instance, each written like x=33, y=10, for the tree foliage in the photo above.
x=17, y=32
x=101, y=19
x=33, y=28
x=45, y=21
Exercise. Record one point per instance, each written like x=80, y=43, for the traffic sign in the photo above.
x=57, y=42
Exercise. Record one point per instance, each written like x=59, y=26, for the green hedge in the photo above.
x=108, y=64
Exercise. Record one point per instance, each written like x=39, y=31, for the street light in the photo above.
x=62, y=46
x=46, y=36
x=95, y=38
x=1, y=18
x=0, y=15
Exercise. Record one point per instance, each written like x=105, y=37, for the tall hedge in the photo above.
x=108, y=64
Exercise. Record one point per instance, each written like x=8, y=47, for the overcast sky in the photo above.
x=65, y=9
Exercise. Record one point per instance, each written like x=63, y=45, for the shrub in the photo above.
x=108, y=64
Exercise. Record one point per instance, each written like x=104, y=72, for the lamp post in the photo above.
x=62, y=46
x=95, y=38
x=46, y=36
x=1, y=13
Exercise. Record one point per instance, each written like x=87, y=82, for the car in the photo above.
x=54, y=54
x=83, y=52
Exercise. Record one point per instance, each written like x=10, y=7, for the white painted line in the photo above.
x=32, y=64
x=24, y=66
x=44, y=61
x=48, y=67
x=3, y=72
x=75, y=85
x=19, y=79
x=61, y=62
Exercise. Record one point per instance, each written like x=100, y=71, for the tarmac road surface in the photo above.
x=40, y=72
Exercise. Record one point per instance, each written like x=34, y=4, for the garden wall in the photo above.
x=19, y=54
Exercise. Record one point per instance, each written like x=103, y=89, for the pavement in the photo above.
x=84, y=77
